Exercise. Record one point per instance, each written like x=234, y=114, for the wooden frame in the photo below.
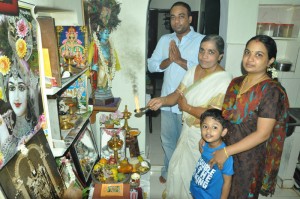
x=9, y=7
x=32, y=174
x=85, y=154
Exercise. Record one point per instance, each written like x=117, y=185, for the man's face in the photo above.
x=180, y=21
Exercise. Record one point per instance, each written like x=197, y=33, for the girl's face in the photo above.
x=209, y=55
x=212, y=131
x=255, y=58
x=17, y=92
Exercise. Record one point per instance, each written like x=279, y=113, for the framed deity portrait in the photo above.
x=32, y=172
x=19, y=58
x=105, y=136
x=9, y=7
x=84, y=153
x=73, y=44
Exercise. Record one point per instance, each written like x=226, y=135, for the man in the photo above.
x=174, y=54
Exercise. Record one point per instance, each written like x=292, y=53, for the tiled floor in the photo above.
x=156, y=158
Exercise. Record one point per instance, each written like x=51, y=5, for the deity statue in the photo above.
x=102, y=56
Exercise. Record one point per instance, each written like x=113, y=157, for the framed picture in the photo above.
x=106, y=135
x=85, y=154
x=78, y=90
x=72, y=44
x=9, y=7
x=68, y=171
x=32, y=172
x=19, y=53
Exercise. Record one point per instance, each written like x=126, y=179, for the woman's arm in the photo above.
x=226, y=186
x=169, y=100
x=192, y=110
x=264, y=129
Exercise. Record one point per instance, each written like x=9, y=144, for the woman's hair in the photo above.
x=183, y=4
x=218, y=41
x=271, y=47
x=268, y=42
x=216, y=114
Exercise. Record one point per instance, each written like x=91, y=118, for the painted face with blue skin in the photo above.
x=104, y=35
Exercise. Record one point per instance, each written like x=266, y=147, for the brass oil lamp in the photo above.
x=115, y=143
x=126, y=116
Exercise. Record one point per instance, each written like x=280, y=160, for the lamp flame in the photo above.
x=137, y=104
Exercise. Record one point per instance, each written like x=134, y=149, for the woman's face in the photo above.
x=255, y=58
x=208, y=55
x=17, y=93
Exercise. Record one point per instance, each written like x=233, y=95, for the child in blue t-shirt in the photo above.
x=215, y=182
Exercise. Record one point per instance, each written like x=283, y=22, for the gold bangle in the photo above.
x=225, y=152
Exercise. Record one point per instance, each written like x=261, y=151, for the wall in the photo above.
x=238, y=24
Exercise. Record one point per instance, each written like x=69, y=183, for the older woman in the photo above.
x=256, y=106
x=202, y=87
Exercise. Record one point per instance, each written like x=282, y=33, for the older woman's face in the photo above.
x=17, y=93
x=208, y=54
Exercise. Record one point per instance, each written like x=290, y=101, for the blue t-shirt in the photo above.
x=208, y=182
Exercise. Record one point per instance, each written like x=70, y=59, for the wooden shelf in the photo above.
x=70, y=135
x=55, y=90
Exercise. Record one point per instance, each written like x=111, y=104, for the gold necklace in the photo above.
x=244, y=89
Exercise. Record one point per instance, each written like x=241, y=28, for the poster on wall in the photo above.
x=73, y=44
x=9, y=7
x=32, y=172
x=21, y=108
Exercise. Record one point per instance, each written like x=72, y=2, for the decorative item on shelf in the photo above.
x=112, y=119
x=126, y=116
x=115, y=143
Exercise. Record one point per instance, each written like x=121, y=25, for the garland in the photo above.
x=109, y=73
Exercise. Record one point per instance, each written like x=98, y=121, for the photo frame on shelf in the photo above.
x=32, y=172
x=105, y=136
x=68, y=171
x=9, y=7
x=79, y=91
x=84, y=153
x=72, y=44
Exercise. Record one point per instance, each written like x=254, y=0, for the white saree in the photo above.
x=207, y=92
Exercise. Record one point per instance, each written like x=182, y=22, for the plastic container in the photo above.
x=265, y=29
x=285, y=30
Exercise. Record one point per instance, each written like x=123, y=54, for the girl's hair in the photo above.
x=218, y=41
x=216, y=114
x=183, y=4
